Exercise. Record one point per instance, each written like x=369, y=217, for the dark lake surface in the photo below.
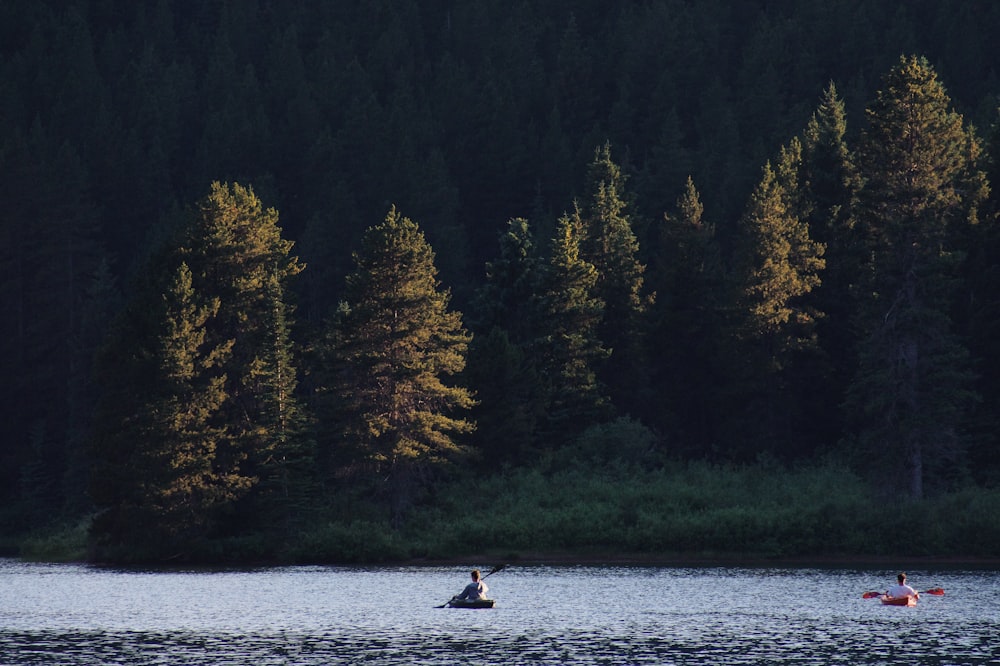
x=77, y=614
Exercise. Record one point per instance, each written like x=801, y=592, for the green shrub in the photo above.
x=623, y=441
x=355, y=542
x=63, y=543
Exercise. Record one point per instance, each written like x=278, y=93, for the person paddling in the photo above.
x=474, y=591
x=901, y=589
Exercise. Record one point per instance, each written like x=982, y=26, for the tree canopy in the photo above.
x=623, y=235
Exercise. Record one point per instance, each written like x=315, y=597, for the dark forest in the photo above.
x=321, y=280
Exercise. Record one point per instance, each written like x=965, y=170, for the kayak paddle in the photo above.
x=492, y=571
x=936, y=591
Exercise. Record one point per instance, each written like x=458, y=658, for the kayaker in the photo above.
x=901, y=589
x=475, y=590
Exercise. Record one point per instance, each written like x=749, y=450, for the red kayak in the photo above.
x=908, y=600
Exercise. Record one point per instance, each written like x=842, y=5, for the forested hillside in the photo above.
x=262, y=262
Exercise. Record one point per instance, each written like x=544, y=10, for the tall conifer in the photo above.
x=687, y=273
x=198, y=408
x=157, y=480
x=237, y=254
x=912, y=392
x=829, y=184
x=509, y=297
x=396, y=344
x=570, y=347
x=610, y=245
x=781, y=267
x=503, y=365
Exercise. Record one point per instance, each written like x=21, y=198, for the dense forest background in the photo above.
x=603, y=201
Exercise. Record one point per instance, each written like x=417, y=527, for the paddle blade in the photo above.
x=496, y=569
x=936, y=591
x=871, y=595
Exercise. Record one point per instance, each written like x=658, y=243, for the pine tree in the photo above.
x=236, y=253
x=158, y=482
x=782, y=265
x=913, y=389
x=503, y=363
x=180, y=478
x=396, y=342
x=610, y=245
x=198, y=416
x=687, y=273
x=287, y=476
x=569, y=347
x=829, y=176
x=509, y=297
x=829, y=184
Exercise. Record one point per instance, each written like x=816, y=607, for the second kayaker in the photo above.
x=901, y=589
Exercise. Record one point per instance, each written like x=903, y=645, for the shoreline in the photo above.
x=729, y=560
x=570, y=559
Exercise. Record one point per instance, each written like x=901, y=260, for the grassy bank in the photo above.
x=695, y=511
x=689, y=511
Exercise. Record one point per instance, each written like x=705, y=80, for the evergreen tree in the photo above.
x=610, y=245
x=829, y=184
x=509, y=297
x=503, y=368
x=237, y=254
x=197, y=383
x=686, y=318
x=287, y=477
x=913, y=389
x=158, y=481
x=830, y=180
x=179, y=475
x=396, y=342
x=569, y=346
x=781, y=267
x=784, y=265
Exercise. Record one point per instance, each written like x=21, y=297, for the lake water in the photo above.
x=75, y=614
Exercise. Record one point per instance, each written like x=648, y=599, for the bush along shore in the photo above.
x=675, y=513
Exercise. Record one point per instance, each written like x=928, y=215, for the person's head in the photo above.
x=475, y=575
x=901, y=578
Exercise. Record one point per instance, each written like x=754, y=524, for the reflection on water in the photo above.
x=69, y=614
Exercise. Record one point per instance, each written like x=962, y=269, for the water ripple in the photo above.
x=71, y=615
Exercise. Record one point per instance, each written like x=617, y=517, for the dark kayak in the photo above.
x=478, y=603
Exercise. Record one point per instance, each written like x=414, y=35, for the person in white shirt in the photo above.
x=475, y=590
x=901, y=589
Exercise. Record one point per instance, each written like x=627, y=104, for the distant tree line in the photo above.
x=638, y=275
